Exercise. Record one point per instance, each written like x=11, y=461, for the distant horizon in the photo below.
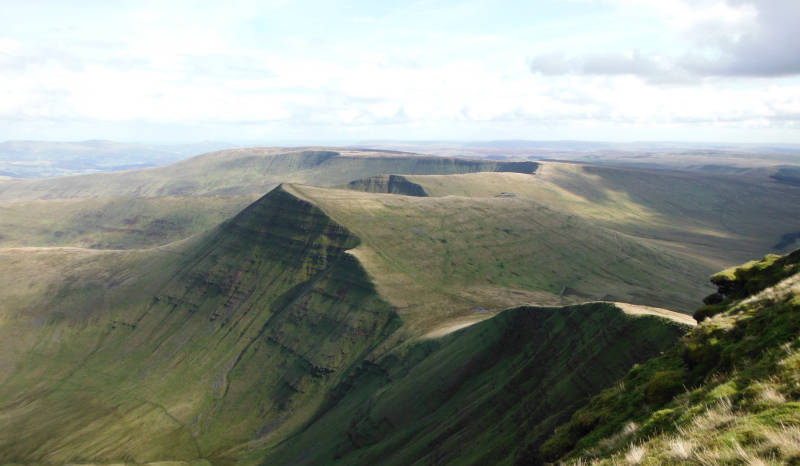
x=531, y=143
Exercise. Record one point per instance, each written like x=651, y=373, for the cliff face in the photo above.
x=398, y=184
x=388, y=184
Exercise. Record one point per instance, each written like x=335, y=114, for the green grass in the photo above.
x=253, y=339
x=113, y=222
x=500, y=252
x=387, y=184
x=723, y=220
x=475, y=396
x=318, y=324
x=262, y=315
x=737, y=400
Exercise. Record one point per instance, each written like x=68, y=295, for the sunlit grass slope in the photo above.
x=182, y=352
x=722, y=219
x=248, y=171
x=113, y=222
x=491, y=253
x=726, y=394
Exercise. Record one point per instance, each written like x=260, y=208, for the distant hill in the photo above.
x=40, y=159
x=245, y=171
x=721, y=218
x=583, y=146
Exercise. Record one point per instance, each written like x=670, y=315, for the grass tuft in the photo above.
x=636, y=454
x=681, y=449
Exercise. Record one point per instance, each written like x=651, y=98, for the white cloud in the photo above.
x=723, y=37
x=164, y=69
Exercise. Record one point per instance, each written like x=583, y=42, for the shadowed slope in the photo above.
x=388, y=184
x=477, y=395
x=265, y=338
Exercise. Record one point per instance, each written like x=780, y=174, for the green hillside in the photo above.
x=494, y=253
x=184, y=352
x=113, y=222
x=248, y=340
x=338, y=326
x=153, y=207
x=475, y=396
x=726, y=394
x=387, y=184
x=721, y=219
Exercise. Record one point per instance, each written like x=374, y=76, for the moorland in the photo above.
x=352, y=306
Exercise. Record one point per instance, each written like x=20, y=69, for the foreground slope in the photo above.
x=726, y=394
x=260, y=337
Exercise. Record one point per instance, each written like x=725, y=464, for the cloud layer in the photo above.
x=425, y=70
x=735, y=38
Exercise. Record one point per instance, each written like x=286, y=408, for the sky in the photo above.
x=338, y=70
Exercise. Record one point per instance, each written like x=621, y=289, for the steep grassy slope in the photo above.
x=727, y=394
x=722, y=219
x=465, y=254
x=247, y=171
x=183, y=352
x=475, y=396
x=264, y=336
x=113, y=222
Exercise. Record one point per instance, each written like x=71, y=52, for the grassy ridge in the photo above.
x=261, y=315
x=242, y=171
x=475, y=396
x=500, y=252
x=727, y=394
x=256, y=337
